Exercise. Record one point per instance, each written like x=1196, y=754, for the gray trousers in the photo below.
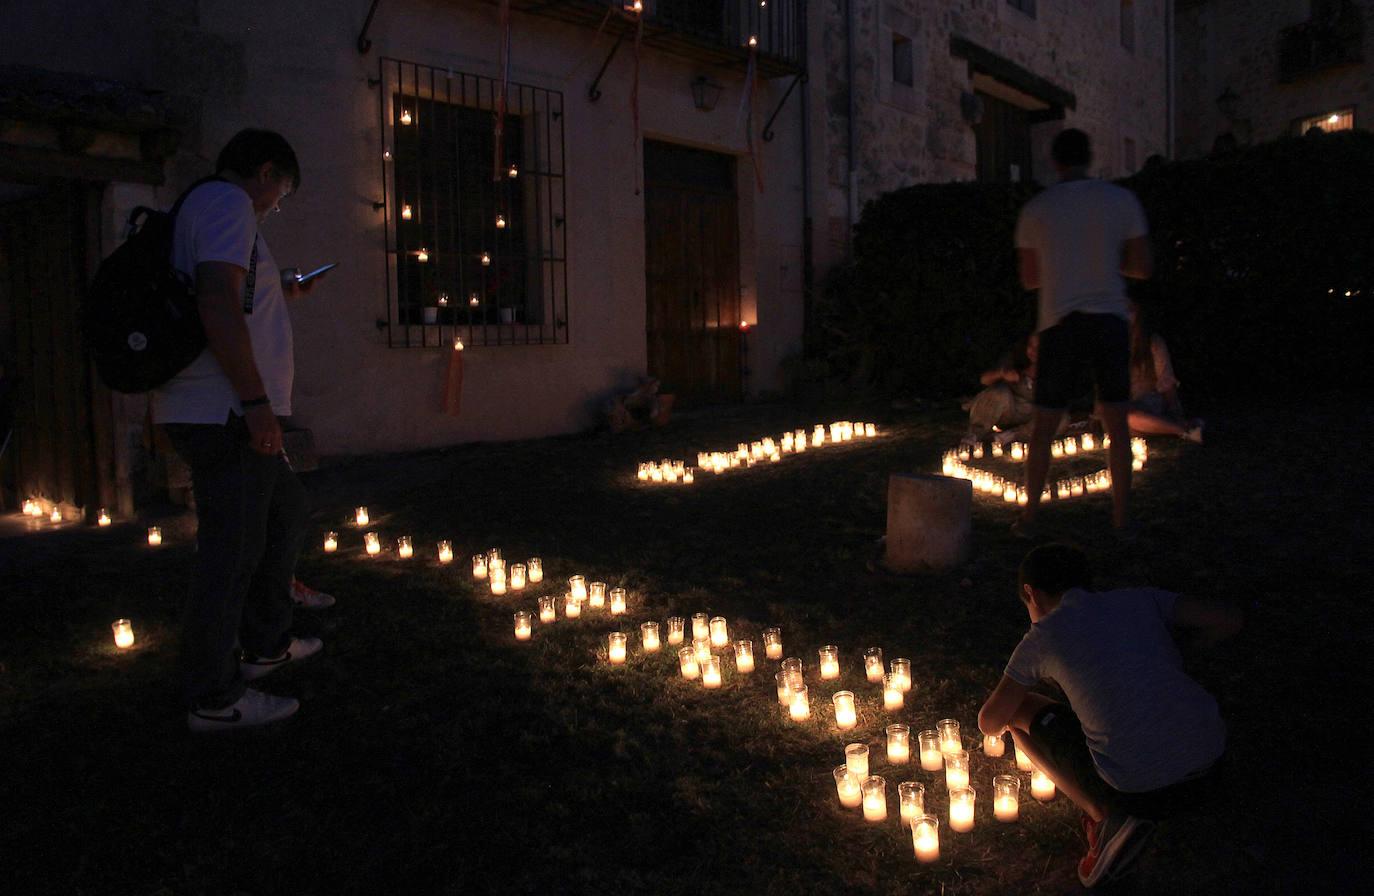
x=251, y=512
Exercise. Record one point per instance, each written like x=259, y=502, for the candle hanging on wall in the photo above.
x=500, y=222
x=103, y=519
x=406, y=213
x=154, y=535
x=422, y=255
x=406, y=117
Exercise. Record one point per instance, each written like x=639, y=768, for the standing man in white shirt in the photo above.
x=221, y=415
x=1075, y=243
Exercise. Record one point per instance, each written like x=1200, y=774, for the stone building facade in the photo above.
x=1249, y=72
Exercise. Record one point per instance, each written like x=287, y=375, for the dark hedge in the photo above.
x=1255, y=252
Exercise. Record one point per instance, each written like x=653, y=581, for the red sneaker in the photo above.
x=308, y=598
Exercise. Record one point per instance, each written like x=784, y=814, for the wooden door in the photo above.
x=692, y=273
x=59, y=446
x=1004, y=146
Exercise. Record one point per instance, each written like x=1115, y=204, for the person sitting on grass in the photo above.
x=1005, y=402
x=1155, y=408
x=1138, y=738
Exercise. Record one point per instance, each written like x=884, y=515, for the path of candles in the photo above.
x=954, y=463
x=748, y=454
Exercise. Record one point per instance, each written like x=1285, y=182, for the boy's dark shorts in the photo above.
x=1081, y=351
x=1057, y=733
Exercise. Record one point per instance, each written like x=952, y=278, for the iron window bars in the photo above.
x=472, y=252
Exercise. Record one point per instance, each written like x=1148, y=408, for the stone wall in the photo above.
x=1234, y=45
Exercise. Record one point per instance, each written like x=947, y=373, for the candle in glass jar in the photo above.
x=899, y=744
x=617, y=601
x=856, y=759
x=331, y=542
x=911, y=801
x=373, y=543
x=893, y=698
x=404, y=548
x=993, y=745
x=870, y=430
x=875, y=798
x=1042, y=788
x=710, y=672
x=56, y=515
x=830, y=662
x=445, y=552
x=950, y=740
x=720, y=632
x=932, y=760
x=615, y=648
x=744, y=656
x=648, y=636
x=517, y=577
x=104, y=518
x=675, y=626
x=772, y=643
x=548, y=610
x=1023, y=762
x=522, y=625
x=784, y=688
x=847, y=784
x=535, y=570
x=479, y=566
x=498, y=581
x=956, y=769
x=572, y=607
x=799, y=707
x=961, y=808
x=925, y=838
x=873, y=664
x=701, y=626
x=901, y=667
x=687, y=662
x=1006, y=797
x=577, y=587
x=596, y=594
x=123, y=633
x=360, y=515
x=845, y=715
x=154, y=535
x=702, y=648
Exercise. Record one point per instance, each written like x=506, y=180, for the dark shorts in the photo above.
x=1082, y=351
x=1057, y=733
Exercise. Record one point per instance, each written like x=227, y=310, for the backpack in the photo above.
x=139, y=315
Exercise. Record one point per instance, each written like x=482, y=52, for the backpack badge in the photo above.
x=137, y=341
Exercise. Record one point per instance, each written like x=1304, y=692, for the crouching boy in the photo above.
x=1138, y=738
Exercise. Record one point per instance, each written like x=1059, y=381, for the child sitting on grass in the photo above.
x=1138, y=738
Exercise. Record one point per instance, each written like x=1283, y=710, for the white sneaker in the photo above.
x=252, y=709
x=308, y=598
x=299, y=649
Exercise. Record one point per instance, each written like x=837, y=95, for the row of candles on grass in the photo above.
x=746, y=454
x=952, y=464
x=33, y=507
x=1068, y=446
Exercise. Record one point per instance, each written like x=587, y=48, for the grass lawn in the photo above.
x=434, y=753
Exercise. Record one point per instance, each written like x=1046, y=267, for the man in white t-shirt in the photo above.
x=1075, y=242
x=1138, y=739
x=221, y=415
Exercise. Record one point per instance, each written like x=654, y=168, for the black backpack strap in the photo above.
x=251, y=282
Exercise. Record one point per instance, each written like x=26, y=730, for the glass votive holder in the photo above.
x=961, y=809
x=615, y=648
x=901, y=667
x=331, y=542
x=799, y=707
x=720, y=632
x=498, y=580
x=548, y=610
x=925, y=838
x=994, y=746
x=596, y=595
x=875, y=798
x=856, y=758
x=899, y=744
x=360, y=516
x=702, y=648
x=618, y=602
x=572, y=607
x=577, y=587
x=405, y=549
x=784, y=689
x=911, y=801
x=675, y=626
x=830, y=662
x=1042, y=788
x=710, y=672
x=1006, y=797
x=123, y=633
x=847, y=785
x=956, y=769
x=873, y=664
x=793, y=667
x=524, y=623
x=154, y=535
x=687, y=663
x=648, y=637
x=950, y=739
x=701, y=626
x=772, y=643
x=1023, y=762
x=372, y=543
x=494, y=556
x=893, y=698
x=744, y=656
x=517, y=577
x=845, y=715
x=870, y=430
x=535, y=570
x=496, y=566
x=445, y=552
x=479, y=566
x=928, y=741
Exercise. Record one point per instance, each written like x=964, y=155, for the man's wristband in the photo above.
x=258, y=402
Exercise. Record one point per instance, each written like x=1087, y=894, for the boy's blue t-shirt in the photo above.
x=1147, y=723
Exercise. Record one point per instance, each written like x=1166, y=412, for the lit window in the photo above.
x=1339, y=120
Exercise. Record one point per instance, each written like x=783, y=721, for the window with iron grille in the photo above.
x=1026, y=6
x=1339, y=120
x=475, y=233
